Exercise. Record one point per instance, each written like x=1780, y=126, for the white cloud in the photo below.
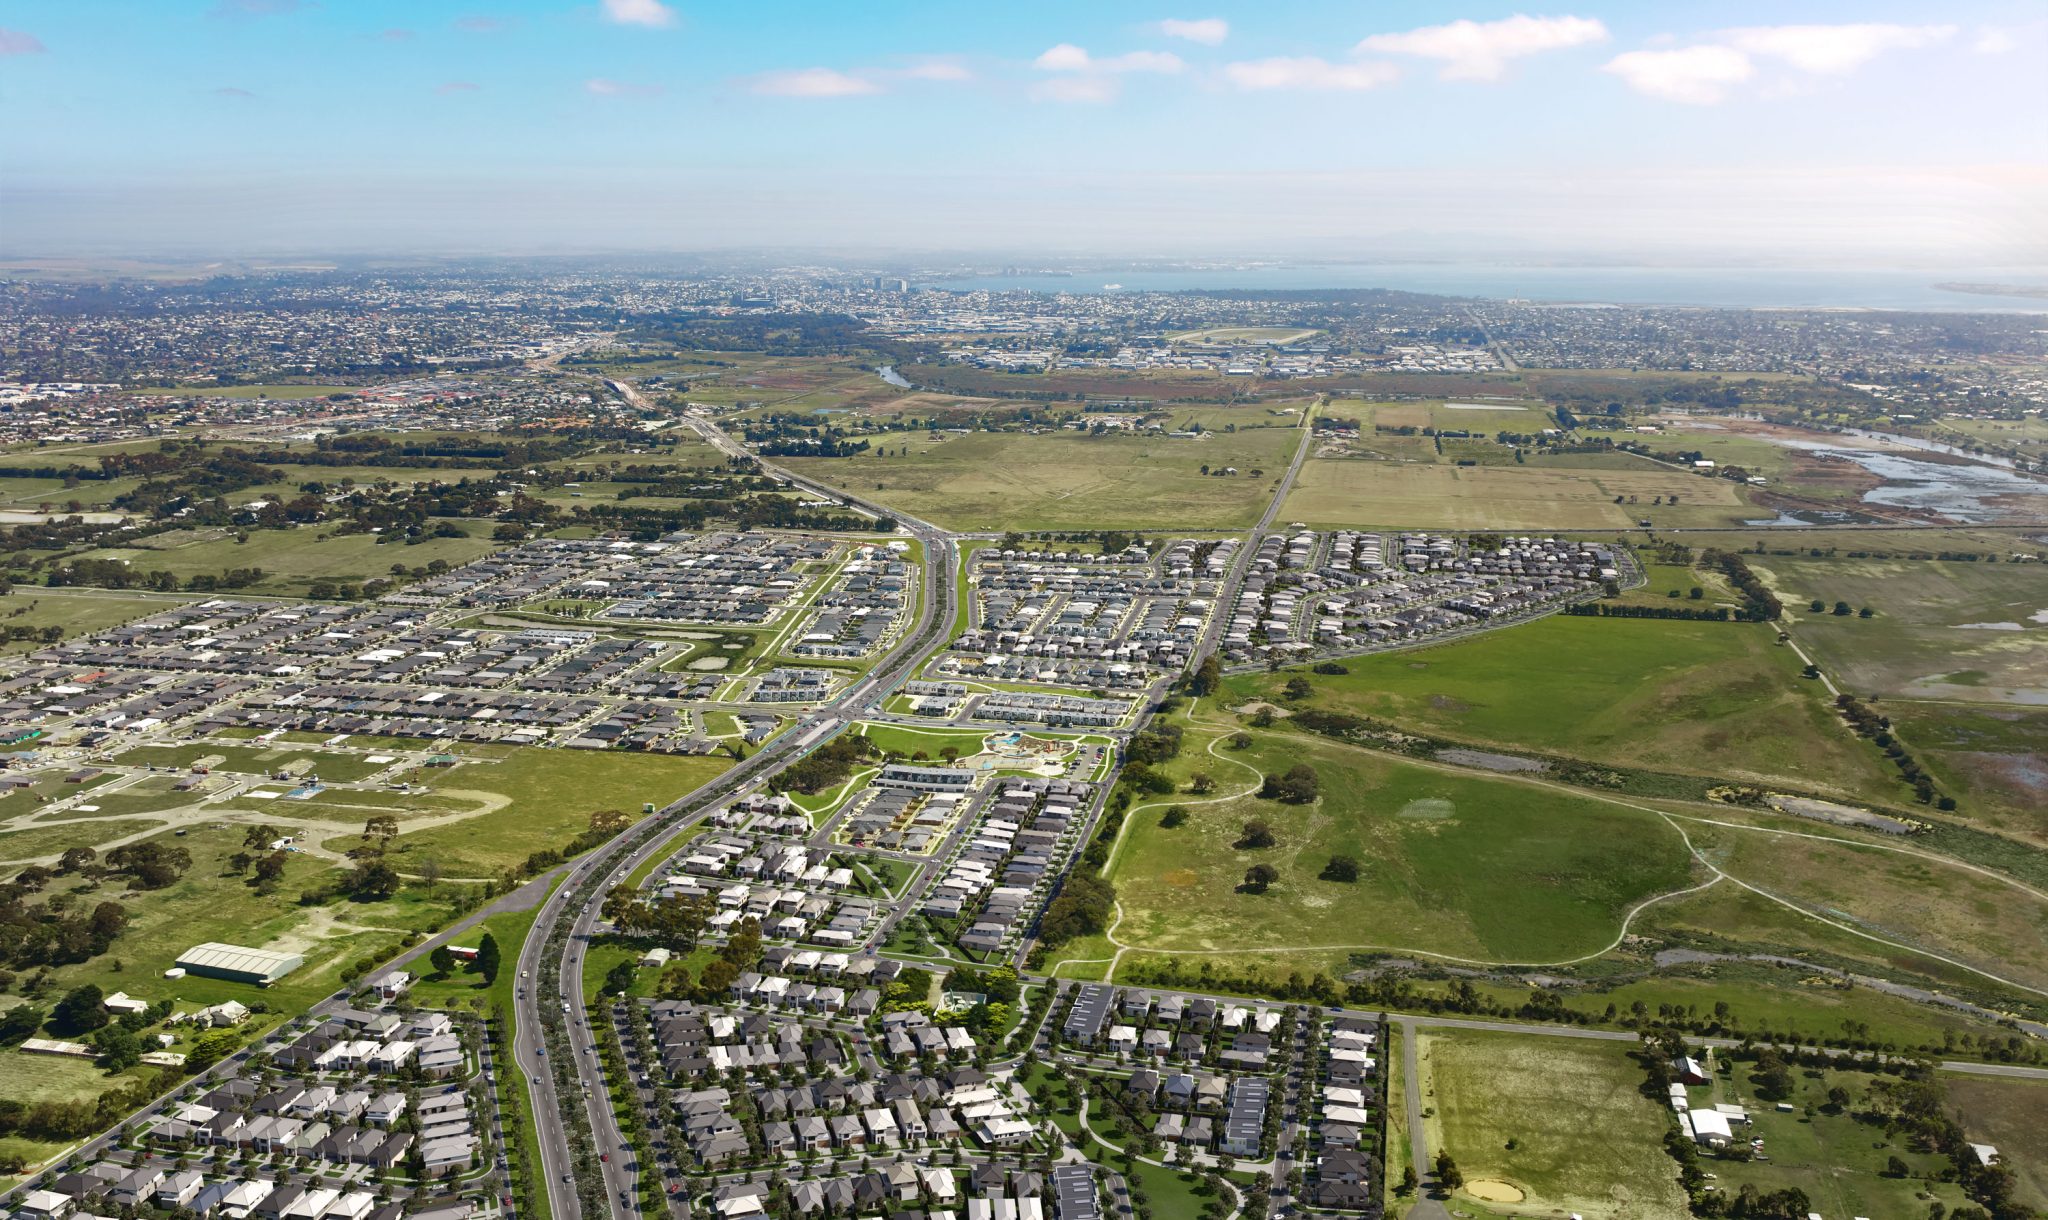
x=1476, y=50
x=1209, y=31
x=1309, y=72
x=814, y=82
x=1991, y=40
x=1834, y=49
x=606, y=87
x=1066, y=57
x=16, y=42
x=1083, y=89
x=1699, y=75
x=639, y=12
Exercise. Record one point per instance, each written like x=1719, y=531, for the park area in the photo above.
x=1451, y=865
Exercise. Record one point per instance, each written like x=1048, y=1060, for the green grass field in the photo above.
x=293, y=559
x=1715, y=699
x=78, y=611
x=333, y=766
x=1563, y=1123
x=1333, y=493
x=1452, y=864
x=1011, y=480
x=551, y=795
x=40, y=841
x=1973, y=632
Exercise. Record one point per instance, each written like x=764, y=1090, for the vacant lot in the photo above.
x=1716, y=699
x=293, y=559
x=1005, y=480
x=78, y=611
x=550, y=796
x=1563, y=1123
x=1449, y=864
x=1972, y=632
x=1348, y=493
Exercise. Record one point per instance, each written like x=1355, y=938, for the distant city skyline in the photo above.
x=1809, y=132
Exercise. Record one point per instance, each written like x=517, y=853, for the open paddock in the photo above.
x=1337, y=494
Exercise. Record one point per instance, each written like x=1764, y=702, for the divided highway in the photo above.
x=553, y=952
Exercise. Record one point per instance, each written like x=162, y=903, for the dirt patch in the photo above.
x=1489, y=761
x=1444, y=703
x=1840, y=815
x=708, y=663
x=1493, y=1190
x=1256, y=706
x=1181, y=878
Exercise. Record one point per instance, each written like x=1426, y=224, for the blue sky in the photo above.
x=1673, y=130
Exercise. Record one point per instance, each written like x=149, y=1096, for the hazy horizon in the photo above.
x=1817, y=133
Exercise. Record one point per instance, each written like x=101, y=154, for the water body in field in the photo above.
x=889, y=374
x=1967, y=492
x=1717, y=287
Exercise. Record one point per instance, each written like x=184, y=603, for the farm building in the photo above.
x=238, y=964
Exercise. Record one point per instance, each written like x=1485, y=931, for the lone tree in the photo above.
x=1256, y=834
x=487, y=958
x=1174, y=816
x=1299, y=687
x=1260, y=876
x=1340, y=868
x=1298, y=787
x=443, y=960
